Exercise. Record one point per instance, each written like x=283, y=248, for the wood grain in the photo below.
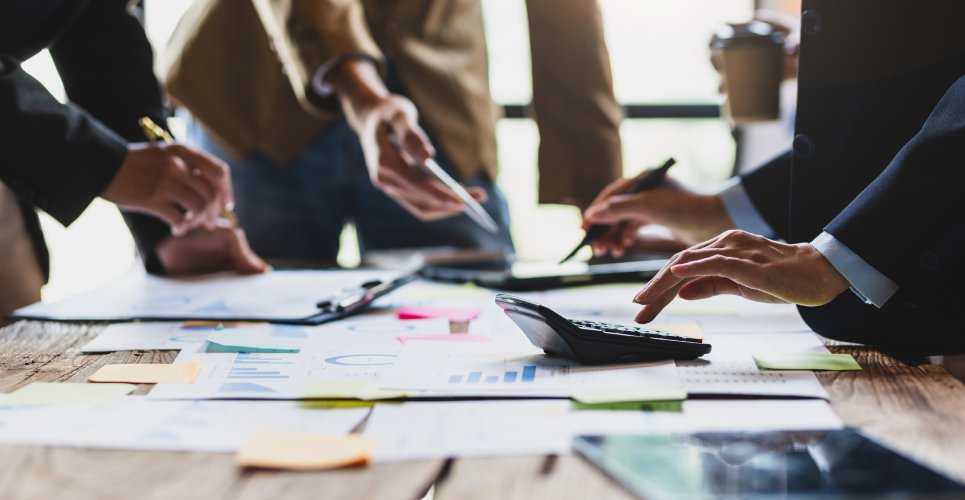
x=918, y=410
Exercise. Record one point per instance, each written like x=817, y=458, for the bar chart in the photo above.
x=526, y=374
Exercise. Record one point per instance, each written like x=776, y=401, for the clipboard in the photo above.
x=282, y=297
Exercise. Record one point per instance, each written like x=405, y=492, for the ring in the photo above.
x=196, y=172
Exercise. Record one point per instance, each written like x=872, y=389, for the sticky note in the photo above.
x=250, y=341
x=619, y=394
x=365, y=390
x=143, y=373
x=650, y=406
x=805, y=361
x=55, y=393
x=458, y=337
x=303, y=451
x=456, y=315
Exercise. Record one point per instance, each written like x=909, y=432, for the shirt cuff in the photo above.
x=741, y=209
x=324, y=89
x=866, y=282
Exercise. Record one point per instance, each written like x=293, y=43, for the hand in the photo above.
x=204, y=250
x=180, y=185
x=690, y=216
x=393, y=145
x=741, y=263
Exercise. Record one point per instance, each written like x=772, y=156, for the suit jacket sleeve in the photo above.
x=573, y=100
x=106, y=64
x=56, y=157
x=306, y=34
x=909, y=223
x=768, y=187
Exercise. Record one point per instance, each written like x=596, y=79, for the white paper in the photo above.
x=174, y=336
x=354, y=348
x=729, y=368
x=419, y=431
x=710, y=416
x=138, y=423
x=276, y=295
x=500, y=369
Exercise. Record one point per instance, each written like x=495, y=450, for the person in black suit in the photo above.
x=59, y=157
x=867, y=198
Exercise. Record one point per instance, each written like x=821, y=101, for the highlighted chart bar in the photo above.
x=506, y=377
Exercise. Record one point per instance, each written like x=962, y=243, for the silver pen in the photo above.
x=473, y=209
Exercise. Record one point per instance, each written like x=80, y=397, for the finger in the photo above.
x=392, y=170
x=478, y=194
x=187, y=198
x=617, y=186
x=732, y=268
x=429, y=195
x=243, y=259
x=651, y=309
x=603, y=245
x=617, y=208
x=410, y=137
x=702, y=288
x=213, y=171
x=172, y=215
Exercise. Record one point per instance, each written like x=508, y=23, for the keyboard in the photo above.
x=594, y=342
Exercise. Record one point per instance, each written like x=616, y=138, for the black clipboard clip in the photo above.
x=350, y=300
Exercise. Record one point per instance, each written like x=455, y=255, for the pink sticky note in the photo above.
x=452, y=337
x=452, y=314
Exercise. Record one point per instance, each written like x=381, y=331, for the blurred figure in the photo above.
x=59, y=157
x=867, y=197
x=323, y=109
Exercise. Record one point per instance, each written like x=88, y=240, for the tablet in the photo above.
x=820, y=464
x=526, y=276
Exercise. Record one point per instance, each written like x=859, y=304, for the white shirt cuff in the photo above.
x=741, y=209
x=866, y=282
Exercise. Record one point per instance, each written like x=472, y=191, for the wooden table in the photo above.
x=917, y=410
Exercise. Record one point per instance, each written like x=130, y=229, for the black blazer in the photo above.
x=56, y=157
x=871, y=73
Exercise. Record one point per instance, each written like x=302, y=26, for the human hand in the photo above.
x=203, y=250
x=690, y=216
x=741, y=263
x=394, y=145
x=180, y=185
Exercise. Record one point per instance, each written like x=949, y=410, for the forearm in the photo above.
x=359, y=88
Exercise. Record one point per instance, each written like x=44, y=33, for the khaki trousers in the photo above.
x=20, y=274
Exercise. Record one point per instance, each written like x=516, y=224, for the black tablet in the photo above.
x=820, y=464
x=526, y=276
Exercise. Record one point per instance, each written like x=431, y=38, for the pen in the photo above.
x=473, y=209
x=156, y=133
x=648, y=182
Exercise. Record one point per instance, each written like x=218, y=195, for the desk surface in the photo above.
x=917, y=410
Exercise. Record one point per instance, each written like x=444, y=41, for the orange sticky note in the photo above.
x=684, y=329
x=142, y=373
x=303, y=451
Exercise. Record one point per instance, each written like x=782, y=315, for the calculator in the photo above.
x=593, y=342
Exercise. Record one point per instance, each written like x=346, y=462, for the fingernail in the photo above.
x=640, y=295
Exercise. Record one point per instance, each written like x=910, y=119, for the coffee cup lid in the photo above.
x=740, y=33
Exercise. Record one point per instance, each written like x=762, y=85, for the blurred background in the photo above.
x=662, y=75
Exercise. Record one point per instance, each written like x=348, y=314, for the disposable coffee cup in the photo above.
x=750, y=58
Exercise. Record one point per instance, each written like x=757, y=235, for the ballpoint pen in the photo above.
x=473, y=209
x=646, y=183
x=156, y=133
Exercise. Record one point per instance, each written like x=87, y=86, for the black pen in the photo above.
x=648, y=182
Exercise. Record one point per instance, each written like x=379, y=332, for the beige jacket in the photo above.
x=244, y=69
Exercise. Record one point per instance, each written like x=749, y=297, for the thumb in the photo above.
x=242, y=258
x=618, y=208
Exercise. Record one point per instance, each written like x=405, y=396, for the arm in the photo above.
x=575, y=108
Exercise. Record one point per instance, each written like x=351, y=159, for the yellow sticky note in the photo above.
x=620, y=394
x=682, y=329
x=805, y=361
x=142, y=373
x=303, y=451
x=53, y=393
x=335, y=388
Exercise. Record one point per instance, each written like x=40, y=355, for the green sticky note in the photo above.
x=229, y=340
x=805, y=361
x=366, y=390
x=661, y=406
x=55, y=393
x=618, y=394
